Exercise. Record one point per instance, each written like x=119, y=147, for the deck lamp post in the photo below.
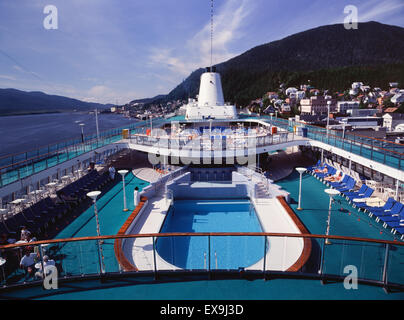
x=328, y=115
x=93, y=195
x=301, y=171
x=96, y=124
x=271, y=114
x=123, y=173
x=343, y=130
x=332, y=193
x=82, y=131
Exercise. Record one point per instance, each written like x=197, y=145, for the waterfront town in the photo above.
x=374, y=112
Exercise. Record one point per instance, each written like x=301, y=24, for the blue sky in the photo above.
x=112, y=51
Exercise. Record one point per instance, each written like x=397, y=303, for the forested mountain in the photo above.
x=331, y=57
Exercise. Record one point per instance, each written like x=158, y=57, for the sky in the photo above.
x=111, y=51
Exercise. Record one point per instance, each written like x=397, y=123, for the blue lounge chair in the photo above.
x=313, y=167
x=344, y=180
x=380, y=210
x=330, y=171
x=390, y=215
x=399, y=220
x=362, y=189
x=368, y=192
x=349, y=185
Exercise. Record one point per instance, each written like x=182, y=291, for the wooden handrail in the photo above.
x=306, y=242
x=203, y=234
x=119, y=254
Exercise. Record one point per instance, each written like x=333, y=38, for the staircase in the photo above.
x=261, y=191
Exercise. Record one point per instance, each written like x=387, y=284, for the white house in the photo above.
x=398, y=98
x=370, y=98
x=300, y=95
x=353, y=92
x=394, y=122
x=317, y=105
x=356, y=85
x=291, y=90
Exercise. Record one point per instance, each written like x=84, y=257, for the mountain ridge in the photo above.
x=15, y=102
x=372, y=53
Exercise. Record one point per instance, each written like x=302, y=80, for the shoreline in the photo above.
x=29, y=113
x=49, y=112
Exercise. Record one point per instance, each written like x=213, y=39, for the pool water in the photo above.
x=211, y=216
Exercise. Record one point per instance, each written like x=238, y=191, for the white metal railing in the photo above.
x=217, y=142
x=253, y=171
x=169, y=196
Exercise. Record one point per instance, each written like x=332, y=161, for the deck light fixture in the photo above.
x=332, y=193
x=301, y=171
x=82, y=132
x=123, y=173
x=93, y=195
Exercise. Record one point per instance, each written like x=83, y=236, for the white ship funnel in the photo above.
x=210, y=89
x=210, y=100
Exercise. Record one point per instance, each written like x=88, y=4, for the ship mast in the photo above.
x=211, y=34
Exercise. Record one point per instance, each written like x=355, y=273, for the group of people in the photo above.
x=25, y=237
x=29, y=261
x=335, y=178
x=30, y=254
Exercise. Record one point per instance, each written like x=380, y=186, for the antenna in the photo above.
x=211, y=34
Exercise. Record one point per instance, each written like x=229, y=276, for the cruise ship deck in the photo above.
x=216, y=207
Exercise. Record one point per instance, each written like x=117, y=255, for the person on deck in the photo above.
x=136, y=196
x=28, y=262
x=111, y=172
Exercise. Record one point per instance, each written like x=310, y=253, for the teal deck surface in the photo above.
x=81, y=257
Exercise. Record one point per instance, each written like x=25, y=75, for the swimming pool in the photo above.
x=211, y=216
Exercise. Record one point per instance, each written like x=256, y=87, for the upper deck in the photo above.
x=205, y=138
